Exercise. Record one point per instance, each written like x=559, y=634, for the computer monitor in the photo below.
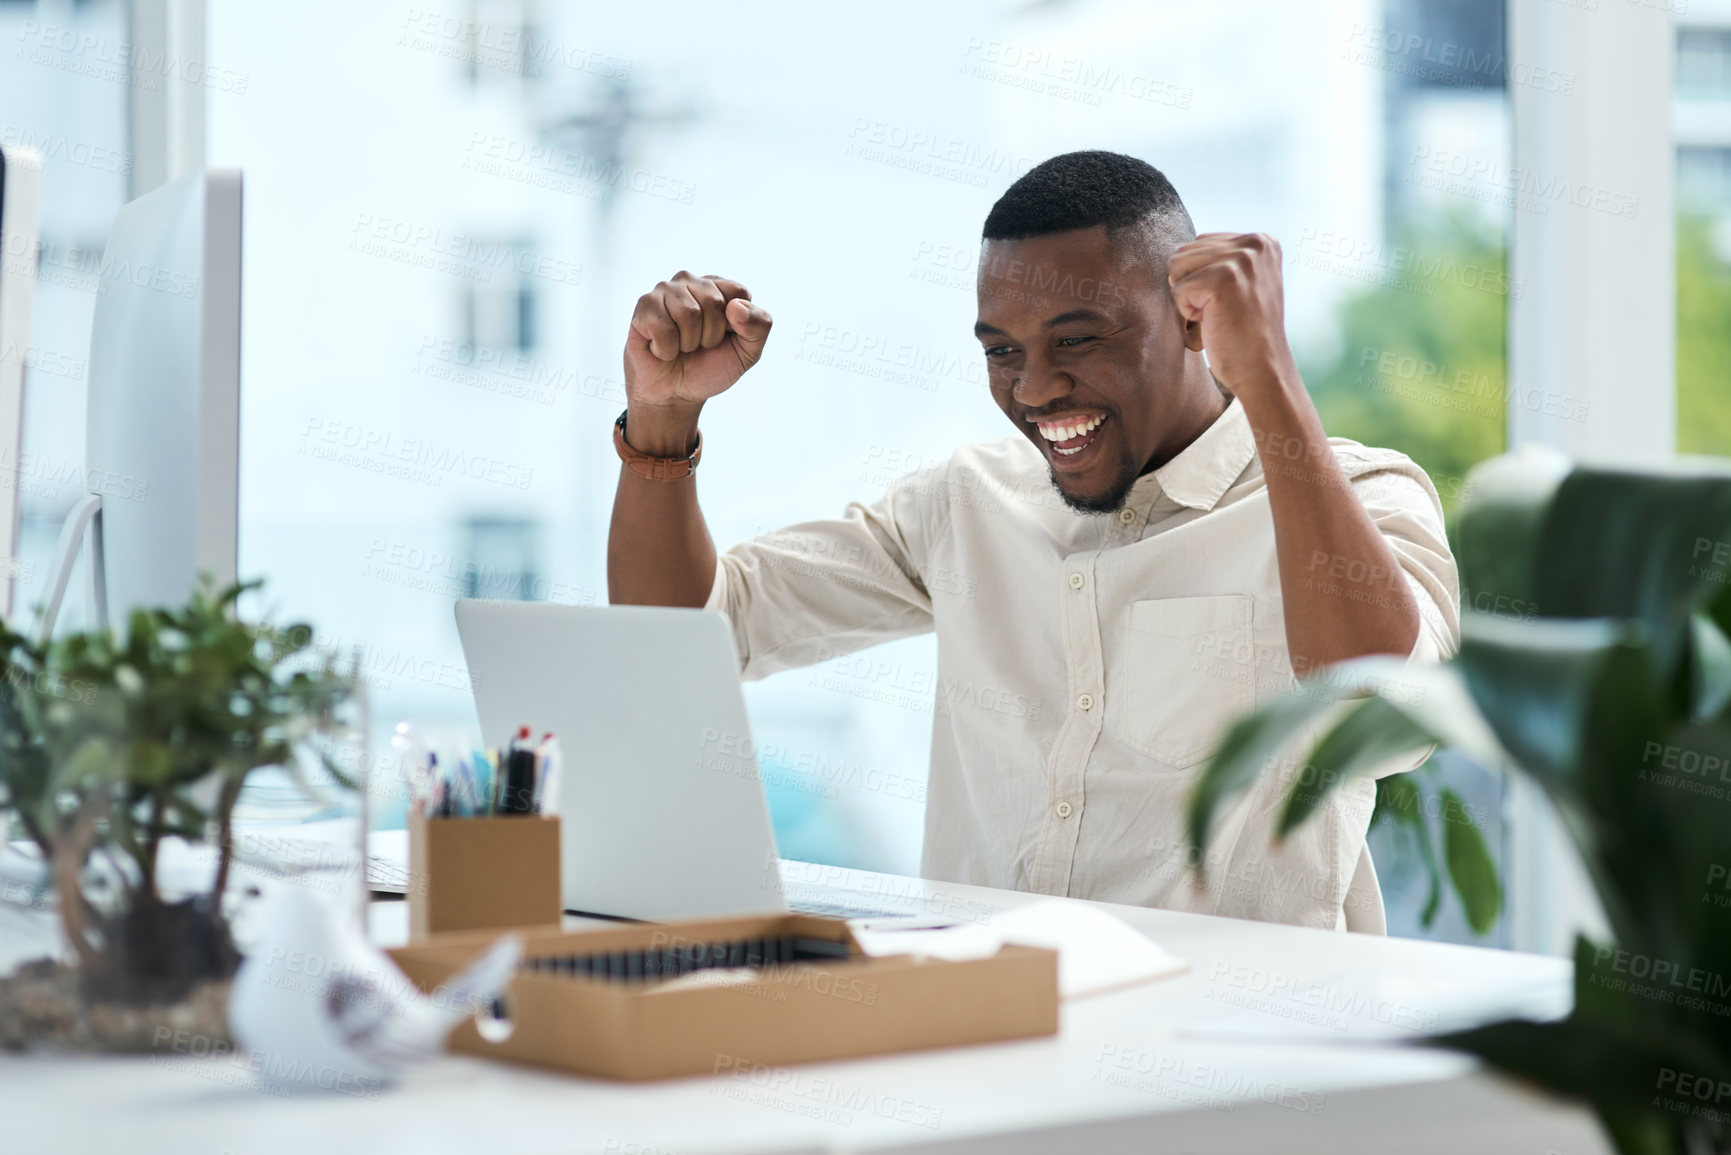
x=20, y=187
x=162, y=458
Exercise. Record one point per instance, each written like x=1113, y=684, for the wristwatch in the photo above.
x=655, y=468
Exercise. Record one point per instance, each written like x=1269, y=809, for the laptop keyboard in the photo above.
x=848, y=910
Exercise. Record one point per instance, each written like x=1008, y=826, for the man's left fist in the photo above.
x=1229, y=285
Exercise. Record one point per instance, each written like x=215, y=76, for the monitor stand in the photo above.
x=85, y=517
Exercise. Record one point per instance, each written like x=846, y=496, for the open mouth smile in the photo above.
x=1070, y=436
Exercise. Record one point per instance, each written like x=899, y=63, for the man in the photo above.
x=1208, y=542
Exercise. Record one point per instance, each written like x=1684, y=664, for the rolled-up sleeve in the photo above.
x=817, y=590
x=1405, y=508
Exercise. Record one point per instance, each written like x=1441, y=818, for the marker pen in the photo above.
x=518, y=796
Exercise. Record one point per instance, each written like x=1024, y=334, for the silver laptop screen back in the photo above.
x=663, y=814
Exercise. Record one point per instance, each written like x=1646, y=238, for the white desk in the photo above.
x=1170, y=1066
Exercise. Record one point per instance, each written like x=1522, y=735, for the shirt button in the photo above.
x=1126, y=515
x=1077, y=581
x=1085, y=702
x=1065, y=810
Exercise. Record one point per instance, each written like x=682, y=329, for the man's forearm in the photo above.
x=659, y=551
x=1343, y=589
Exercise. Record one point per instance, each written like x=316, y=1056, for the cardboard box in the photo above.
x=794, y=1013
x=472, y=873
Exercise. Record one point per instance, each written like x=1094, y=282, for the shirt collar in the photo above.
x=1203, y=470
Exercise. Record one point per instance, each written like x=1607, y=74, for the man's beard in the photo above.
x=1109, y=502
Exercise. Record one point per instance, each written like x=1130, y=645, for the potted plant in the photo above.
x=1611, y=688
x=110, y=745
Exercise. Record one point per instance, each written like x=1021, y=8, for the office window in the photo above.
x=1703, y=129
x=497, y=299
x=1703, y=179
x=1703, y=62
x=63, y=95
x=841, y=167
x=500, y=559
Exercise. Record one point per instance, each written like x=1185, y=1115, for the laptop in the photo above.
x=662, y=813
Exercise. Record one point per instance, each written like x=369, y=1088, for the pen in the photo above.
x=547, y=775
x=518, y=776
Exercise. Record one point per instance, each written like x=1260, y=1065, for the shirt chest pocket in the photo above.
x=1185, y=669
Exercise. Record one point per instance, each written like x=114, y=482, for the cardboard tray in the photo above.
x=798, y=1013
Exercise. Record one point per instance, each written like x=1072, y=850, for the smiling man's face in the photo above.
x=1085, y=354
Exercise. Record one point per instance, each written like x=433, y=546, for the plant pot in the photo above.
x=46, y=1005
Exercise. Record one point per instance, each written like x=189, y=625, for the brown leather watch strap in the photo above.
x=655, y=468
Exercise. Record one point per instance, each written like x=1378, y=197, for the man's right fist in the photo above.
x=691, y=337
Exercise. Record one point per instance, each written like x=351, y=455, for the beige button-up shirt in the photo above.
x=1089, y=663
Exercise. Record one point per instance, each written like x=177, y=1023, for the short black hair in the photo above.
x=1078, y=190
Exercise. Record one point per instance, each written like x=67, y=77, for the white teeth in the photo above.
x=1066, y=432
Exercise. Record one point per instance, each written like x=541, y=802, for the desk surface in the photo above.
x=1278, y=1038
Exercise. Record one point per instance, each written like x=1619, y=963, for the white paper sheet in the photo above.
x=1096, y=951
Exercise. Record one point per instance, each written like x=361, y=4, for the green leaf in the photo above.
x=1710, y=667
x=1397, y=800
x=1539, y=684
x=1470, y=867
x=1638, y=546
x=1368, y=737
x=1434, y=699
x=1400, y=794
x=1617, y=1068
x=1508, y=501
x=1575, y=703
x=1251, y=745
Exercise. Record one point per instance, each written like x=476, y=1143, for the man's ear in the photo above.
x=1192, y=334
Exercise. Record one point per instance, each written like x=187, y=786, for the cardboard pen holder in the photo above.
x=482, y=873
